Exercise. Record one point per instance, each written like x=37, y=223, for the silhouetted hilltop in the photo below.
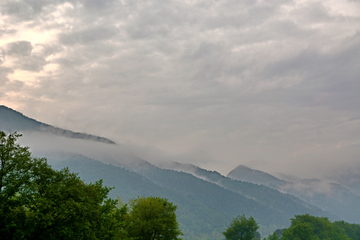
x=247, y=174
x=11, y=120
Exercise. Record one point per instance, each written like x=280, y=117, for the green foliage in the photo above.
x=352, y=230
x=307, y=227
x=241, y=229
x=152, y=218
x=38, y=202
x=14, y=175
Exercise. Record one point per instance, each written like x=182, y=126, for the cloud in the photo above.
x=22, y=57
x=248, y=82
x=86, y=36
x=5, y=31
x=21, y=48
x=24, y=10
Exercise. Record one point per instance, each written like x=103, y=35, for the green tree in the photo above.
x=300, y=231
x=352, y=230
x=307, y=227
x=14, y=175
x=241, y=229
x=152, y=218
x=37, y=202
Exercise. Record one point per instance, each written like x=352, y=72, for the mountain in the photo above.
x=285, y=204
x=213, y=196
x=195, y=218
x=247, y=174
x=329, y=196
x=203, y=207
x=11, y=120
x=351, y=180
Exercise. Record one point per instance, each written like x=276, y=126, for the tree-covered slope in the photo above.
x=214, y=196
x=197, y=220
x=282, y=202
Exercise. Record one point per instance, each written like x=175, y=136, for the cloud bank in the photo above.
x=273, y=85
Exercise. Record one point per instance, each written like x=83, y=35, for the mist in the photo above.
x=44, y=144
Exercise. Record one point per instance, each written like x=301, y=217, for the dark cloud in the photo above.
x=4, y=31
x=329, y=79
x=95, y=4
x=21, y=48
x=4, y=71
x=23, y=10
x=33, y=64
x=160, y=23
x=24, y=59
x=87, y=36
x=15, y=86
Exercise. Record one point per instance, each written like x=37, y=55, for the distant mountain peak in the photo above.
x=247, y=174
x=245, y=167
x=11, y=120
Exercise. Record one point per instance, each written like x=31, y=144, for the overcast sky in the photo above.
x=274, y=85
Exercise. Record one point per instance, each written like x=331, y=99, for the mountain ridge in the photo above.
x=329, y=196
x=285, y=203
x=12, y=120
x=247, y=174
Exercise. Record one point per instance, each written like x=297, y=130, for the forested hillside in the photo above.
x=214, y=196
x=195, y=218
x=284, y=203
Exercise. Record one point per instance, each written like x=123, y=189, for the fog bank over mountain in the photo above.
x=273, y=85
x=245, y=189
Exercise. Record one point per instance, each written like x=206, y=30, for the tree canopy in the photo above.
x=241, y=229
x=37, y=202
x=307, y=227
x=153, y=218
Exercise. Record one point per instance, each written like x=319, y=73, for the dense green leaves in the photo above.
x=153, y=218
x=241, y=229
x=307, y=227
x=37, y=202
x=14, y=175
x=351, y=230
x=303, y=227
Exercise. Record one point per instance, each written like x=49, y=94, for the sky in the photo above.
x=274, y=85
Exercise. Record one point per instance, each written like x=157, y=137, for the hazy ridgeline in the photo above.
x=206, y=200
